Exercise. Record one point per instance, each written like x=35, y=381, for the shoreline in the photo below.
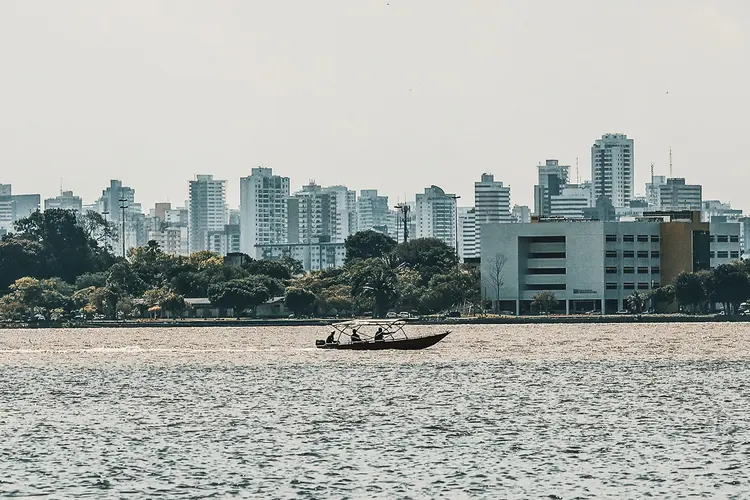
x=487, y=320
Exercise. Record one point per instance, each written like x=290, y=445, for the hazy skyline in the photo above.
x=391, y=95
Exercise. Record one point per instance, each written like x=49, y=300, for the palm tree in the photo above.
x=636, y=302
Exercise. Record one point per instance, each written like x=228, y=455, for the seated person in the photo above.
x=330, y=338
x=379, y=335
x=356, y=337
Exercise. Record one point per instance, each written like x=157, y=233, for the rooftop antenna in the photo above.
x=670, y=162
x=578, y=176
x=652, y=172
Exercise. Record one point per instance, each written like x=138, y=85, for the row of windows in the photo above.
x=725, y=255
x=632, y=286
x=632, y=270
x=630, y=238
x=547, y=255
x=547, y=270
x=552, y=286
x=630, y=254
x=724, y=239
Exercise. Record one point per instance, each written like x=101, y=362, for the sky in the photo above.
x=394, y=95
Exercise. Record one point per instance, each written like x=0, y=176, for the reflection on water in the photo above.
x=574, y=411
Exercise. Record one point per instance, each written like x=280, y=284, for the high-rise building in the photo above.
x=64, y=201
x=435, y=215
x=313, y=216
x=372, y=212
x=491, y=200
x=168, y=227
x=612, y=169
x=207, y=210
x=346, y=211
x=551, y=177
x=652, y=191
x=676, y=195
x=521, y=214
x=745, y=236
x=263, y=210
x=572, y=201
x=468, y=238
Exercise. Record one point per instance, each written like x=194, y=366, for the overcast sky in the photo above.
x=394, y=94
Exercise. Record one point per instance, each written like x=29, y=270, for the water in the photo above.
x=546, y=411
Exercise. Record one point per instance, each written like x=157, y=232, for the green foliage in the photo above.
x=662, y=297
x=689, y=291
x=428, y=256
x=19, y=258
x=299, y=300
x=636, y=302
x=239, y=294
x=32, y=296
x=372, y=278
x=368, y=245
x=730, y=286
x=544, y=301
x=271, y=268
x=87, y=280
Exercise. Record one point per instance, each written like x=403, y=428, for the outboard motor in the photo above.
x=320, y=342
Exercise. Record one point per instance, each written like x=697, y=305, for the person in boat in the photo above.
x=331, y=337
x=379, y=335
x=355, y=337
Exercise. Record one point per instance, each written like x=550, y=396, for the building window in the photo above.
x=611, y=254
x=611, y=286
x=722, y=255
x=654, y=238
x=643, y=254
x=611, y=238
x=643, y=270
x=547, y=255
x=628, y=238
x=629, y=286
x=628, y=270
x=642, y=286
x=546, y=239
x=655, y=270
x=734, y=239
x=611, y=270
x=711, y=255
x=547, y=270
x=655, y=285
x=551, y=286
x=643, y=238
x=735, y=255
x=628, y=254
x=722, y=239
x=655, y=254
x=712, y=238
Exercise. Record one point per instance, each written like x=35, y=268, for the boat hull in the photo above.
x=404, y=345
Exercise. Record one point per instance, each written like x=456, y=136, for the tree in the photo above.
x=19, y=258
x=689, y=290
x=166, y=300
x=299, y=300
x=544, y=301
x=30, y=295
x=367, y=245
x=372, y=278
x=451, y=289
x=731, y=286
x=239, y=294
x=122, y=277
x=495, y=267
x=636, y=302
x=98, y=229
x=428, y=256
x=662, y=297
x=271, y=268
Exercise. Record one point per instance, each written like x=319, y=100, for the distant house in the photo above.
x=202, y=308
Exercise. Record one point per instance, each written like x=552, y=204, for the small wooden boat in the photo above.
x=375, y=335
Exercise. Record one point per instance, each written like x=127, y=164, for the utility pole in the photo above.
x=403, y=208
x=455, y=206
x=123, y=205
x=106, y=227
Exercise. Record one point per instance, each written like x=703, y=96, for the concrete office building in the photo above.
x=314, y=255
x=373, y=212
x=745, y=236
x=468, y=243
x=653, y=196
x=436, y=216
x=207, y=210
x=612, y=168
x=521, y=214
x=551, y=177
x=491, y=200
x=594, y=265
x=676, y=195
x=711, y=209
x=64, y=201
x=346, y=211
x=263, y=210
x=572, y=201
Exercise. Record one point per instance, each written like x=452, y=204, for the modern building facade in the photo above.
x=64, y=201
x=263, y=209
x=314, y=216
x=612, y=168
x=521, y=214
x=468, y=242
x=551, y=177
x=572, y=201
x=491, y=200
x=207, y=210
x=346, y=211
x=314, y=255
x=372, y=212
x=594, y=265
x=675, y=194
x=436, y=215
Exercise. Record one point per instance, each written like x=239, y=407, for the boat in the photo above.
x=375, y=335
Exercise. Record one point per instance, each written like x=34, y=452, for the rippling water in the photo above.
x=544, y=411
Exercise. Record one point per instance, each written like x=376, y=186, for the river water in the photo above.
x=506, y=411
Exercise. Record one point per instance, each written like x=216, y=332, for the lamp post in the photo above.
x=403, y=208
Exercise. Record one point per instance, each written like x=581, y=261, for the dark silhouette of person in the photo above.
x=330, y=338
x=356, y=337
x=379, y=335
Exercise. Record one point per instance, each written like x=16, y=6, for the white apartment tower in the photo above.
x=372, y=212
x=346, y=209
x=207, y=210
x=435, y=215
x=491, y=200
x=612, y=169
x=263, y=210
x=468, y=237
x=313, y=216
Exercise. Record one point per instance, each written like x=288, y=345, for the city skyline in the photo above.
x=163, y=94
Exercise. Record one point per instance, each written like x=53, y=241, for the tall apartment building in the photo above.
x=572, y=201
x=207, y=210
x=346, y=211
x=263, y=210
x=551, y=177
x=64, y=201
x=169, y=228
x=313, y=216
x=468, y=240
x=491, y=200
x=676, y=195
x=372, y=212
x=435, y=215
x=612, y=168
x=14, y=207
x=653, y=196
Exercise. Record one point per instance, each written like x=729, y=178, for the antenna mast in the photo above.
x=652, y=172
x=578, y=177
x=670, y=162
